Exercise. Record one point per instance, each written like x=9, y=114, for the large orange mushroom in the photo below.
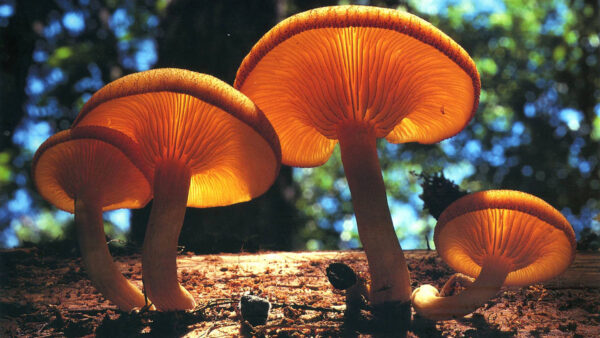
x=207, y=145
x=85, y=172
x=502, y=237
x=353, y=74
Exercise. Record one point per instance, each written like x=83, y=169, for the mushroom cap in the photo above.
x=227, y=143
x=93, y=163
x=318, y=70
x=528, y=233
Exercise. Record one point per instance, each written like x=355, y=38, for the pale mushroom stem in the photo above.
x=390, y=280
x=429, y=304
x=99, y=264
x=451, y=284
x=159, y=255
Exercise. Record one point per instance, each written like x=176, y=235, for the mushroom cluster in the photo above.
x=353, y=74
x=341, y=74
x=198, y=141
x=207, y=145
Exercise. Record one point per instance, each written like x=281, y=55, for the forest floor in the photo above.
x=45, y=295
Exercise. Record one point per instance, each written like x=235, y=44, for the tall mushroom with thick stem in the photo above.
x=502, y=237
x=353, y=74
x=85, y=172
x=207, y=145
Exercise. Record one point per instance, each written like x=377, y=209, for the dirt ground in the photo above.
x=45, y=295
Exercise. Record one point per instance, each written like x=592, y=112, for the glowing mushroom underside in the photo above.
x=502, y=237
x=352, y=74
x=207, y=144
x=536, y=238
x=330, y=66
x=85, y=172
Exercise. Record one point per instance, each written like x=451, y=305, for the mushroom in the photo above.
x=501, y=237
x=353, y=74
x=207, y=145
x=85, y=172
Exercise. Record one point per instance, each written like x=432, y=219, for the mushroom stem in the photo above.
x=429, y=304
x=99, y=264
x=390, y=280
x=159, y=255
x=458, y=278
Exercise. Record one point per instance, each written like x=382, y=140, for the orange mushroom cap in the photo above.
x=522, y=230
x=206, y=144
x=317, y=70
x=230, y=147
x=91, y=161
x=86, y=171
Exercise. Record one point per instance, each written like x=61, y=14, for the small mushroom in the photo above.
x=85, y=172
x=501, y=237
x=207, y=145
x=353, y=74
x=343, y=277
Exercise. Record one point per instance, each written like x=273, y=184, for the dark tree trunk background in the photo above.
x=213, y=37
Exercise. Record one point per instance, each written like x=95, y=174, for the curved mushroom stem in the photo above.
x=428, y=303
x=159, y=255
x=98, y=262
x=390, y=280
x=451, y=284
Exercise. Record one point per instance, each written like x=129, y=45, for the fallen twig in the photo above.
x=307, y=307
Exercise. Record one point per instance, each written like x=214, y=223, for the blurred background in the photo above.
x=536, y=130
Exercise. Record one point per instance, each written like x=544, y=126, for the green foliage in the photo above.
x=44, y=228
x=537, y=127
x=5, y=172
x=538, y=120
